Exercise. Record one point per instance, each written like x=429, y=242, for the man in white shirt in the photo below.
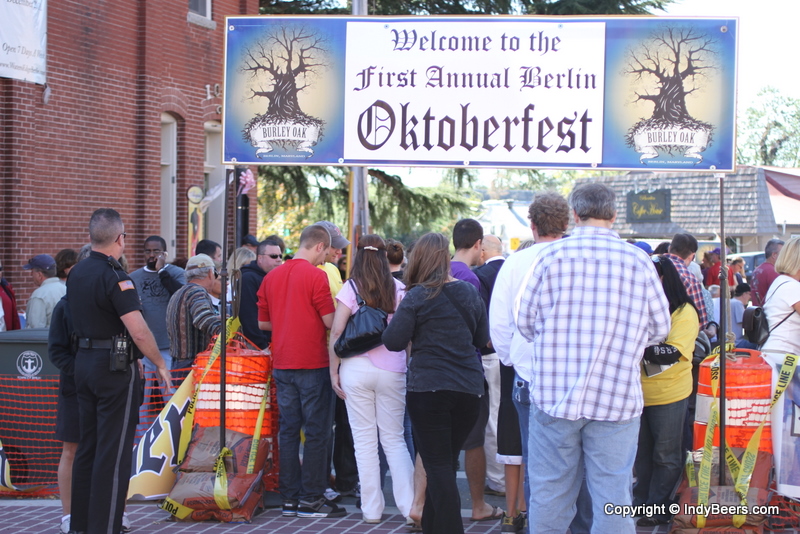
x=48, y=292
x=549, y=216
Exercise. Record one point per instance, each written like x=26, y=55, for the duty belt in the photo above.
x=89, y=343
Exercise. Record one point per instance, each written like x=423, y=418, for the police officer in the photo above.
x=104, y=304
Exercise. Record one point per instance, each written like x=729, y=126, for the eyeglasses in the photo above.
x=216, y=274
x=123, y=234
x=273, y=256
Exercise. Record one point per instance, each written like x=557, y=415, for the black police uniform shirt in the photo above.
x=98, y=296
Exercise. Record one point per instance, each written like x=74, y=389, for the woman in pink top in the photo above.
x=373, y=384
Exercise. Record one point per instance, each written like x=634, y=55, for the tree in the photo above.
x=672, y=57
x=769, y=131
x=284, y=60
x=674, y=61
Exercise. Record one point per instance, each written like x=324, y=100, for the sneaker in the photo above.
x=65, y=525
x=512, y=524
x=126, y=522
x=289, y=509
x=332, y=495
x=322, y=507
x=355, y=491
x=371, y=521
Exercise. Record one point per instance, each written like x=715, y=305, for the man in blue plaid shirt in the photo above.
x=591, y=306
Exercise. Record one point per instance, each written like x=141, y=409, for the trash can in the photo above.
x=29, y=386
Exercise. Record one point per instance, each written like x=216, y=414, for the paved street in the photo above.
x=42, y=516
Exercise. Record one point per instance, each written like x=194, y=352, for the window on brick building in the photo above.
x=214, y=175
x=169, y=172
x=200, y=7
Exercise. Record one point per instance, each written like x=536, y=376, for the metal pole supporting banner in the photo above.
x=359, y=220
x=721, y=329
x=223, y=309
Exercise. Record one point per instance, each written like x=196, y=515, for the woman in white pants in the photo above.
x=373, y=384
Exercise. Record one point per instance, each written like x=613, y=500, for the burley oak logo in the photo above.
x=678, y=60
x=282, y=64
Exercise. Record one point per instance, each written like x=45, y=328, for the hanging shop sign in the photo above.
x=649, y=206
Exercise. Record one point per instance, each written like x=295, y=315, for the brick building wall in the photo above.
x=113, y=68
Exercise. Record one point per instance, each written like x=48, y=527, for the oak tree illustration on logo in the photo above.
x=678, y=60
x=281, y=65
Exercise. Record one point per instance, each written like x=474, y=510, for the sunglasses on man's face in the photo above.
x=273, y=256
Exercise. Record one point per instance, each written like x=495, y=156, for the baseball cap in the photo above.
x=199, y=262
x=644, y=246
x=337, y=239
x=249, y=239
x=41, y=261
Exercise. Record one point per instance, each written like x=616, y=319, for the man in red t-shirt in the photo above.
x=712, y=275
x=294, y=302
x=765, y=274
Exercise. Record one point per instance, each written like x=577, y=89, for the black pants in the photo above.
x=344, y=452
x=441, y=421
x=109, y=411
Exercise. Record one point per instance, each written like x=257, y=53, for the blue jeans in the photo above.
x=659, y=459
x=560, y=451
x=522, y=401
x=305, y=399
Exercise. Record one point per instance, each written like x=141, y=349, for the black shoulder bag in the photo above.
x=755, y=324
x=363, y=331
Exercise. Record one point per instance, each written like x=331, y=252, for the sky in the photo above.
x=768, y=36
x=767, y=41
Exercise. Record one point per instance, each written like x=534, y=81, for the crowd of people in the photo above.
x=560, y=371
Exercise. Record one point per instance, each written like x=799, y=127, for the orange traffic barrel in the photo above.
x=246, y=376
x=748, y=393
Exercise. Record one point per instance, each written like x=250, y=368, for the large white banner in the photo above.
x=429, y=92
x=541, y=92
x=23, y=38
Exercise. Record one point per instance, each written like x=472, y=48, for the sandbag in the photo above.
x=196, y=490
x=241, y=514
x=204, y=449
x=758, y=494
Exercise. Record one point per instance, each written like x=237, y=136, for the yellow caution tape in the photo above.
x=690, y=474
x=175, y=508
x=251, y=462
x=221, y=480
x=740, y=472
x=231, y=328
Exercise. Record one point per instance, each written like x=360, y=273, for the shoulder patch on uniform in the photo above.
x=125, y=285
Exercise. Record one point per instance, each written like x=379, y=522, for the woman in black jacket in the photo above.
x=445, y=321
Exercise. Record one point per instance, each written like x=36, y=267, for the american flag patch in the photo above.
x=125, y=285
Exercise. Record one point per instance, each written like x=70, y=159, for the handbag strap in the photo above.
x=785, y=318
x=359, y=300
x=782, y=321
x=457, y=305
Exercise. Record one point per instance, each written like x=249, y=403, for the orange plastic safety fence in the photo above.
x=154, y=399
x=27, y=430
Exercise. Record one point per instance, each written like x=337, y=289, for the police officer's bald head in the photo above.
x=105, y=227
